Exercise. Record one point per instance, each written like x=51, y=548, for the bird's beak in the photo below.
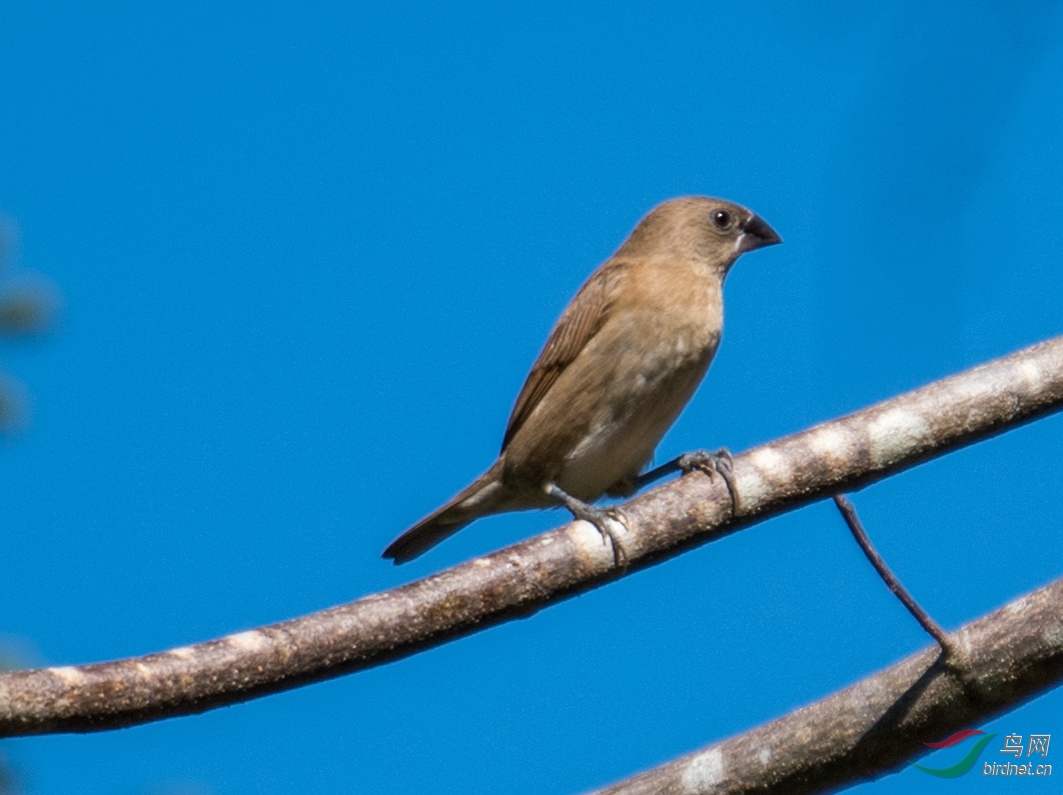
x=756, y=234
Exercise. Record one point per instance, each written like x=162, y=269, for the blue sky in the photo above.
x=308, y=253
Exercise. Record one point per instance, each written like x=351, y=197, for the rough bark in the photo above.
x=881, y=723
x=515, y=582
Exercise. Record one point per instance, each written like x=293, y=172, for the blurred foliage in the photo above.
x=25, y=312
x=28, y=307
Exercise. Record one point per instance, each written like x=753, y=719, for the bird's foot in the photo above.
x=712, y=464
x=598, y=517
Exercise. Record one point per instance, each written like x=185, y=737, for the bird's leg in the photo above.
x=712, y=464
x=596, y=516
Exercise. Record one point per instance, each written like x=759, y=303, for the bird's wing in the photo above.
x=581, y=320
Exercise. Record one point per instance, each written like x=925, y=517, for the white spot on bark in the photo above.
x=1053, y=636
x=894, y=435
x=703, y=771
x=183, y=652
x=832, y=444
x=588, y=539
x=144, y=671
x=1016, y=610
x=69, y=675
x=752, y=487
x=1032, y=374
x=758, y=481
x=764, y=756
x=252, y=640
x=774, y=466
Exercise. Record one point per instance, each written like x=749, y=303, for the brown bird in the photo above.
x=623, y=360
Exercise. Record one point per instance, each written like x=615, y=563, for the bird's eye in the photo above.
x=722, y=219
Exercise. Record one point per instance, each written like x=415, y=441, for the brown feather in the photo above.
x=581, y=320
x=483, y=495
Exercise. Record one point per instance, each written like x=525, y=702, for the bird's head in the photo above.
x=714, y=231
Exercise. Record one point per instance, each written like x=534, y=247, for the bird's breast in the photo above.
x=601, y=420
x=654, y=368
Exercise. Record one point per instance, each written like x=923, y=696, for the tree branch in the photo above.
x=879, y=724
x=515, y=582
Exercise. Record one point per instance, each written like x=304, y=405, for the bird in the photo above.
x=619, y=366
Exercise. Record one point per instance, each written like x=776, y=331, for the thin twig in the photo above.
x=925, y=621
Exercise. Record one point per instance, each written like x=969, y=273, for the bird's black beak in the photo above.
x=756, y=234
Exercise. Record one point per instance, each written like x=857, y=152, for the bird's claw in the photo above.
x=600, y=518
x=712, y=464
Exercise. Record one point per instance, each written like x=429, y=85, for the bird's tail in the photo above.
x=483, y=496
